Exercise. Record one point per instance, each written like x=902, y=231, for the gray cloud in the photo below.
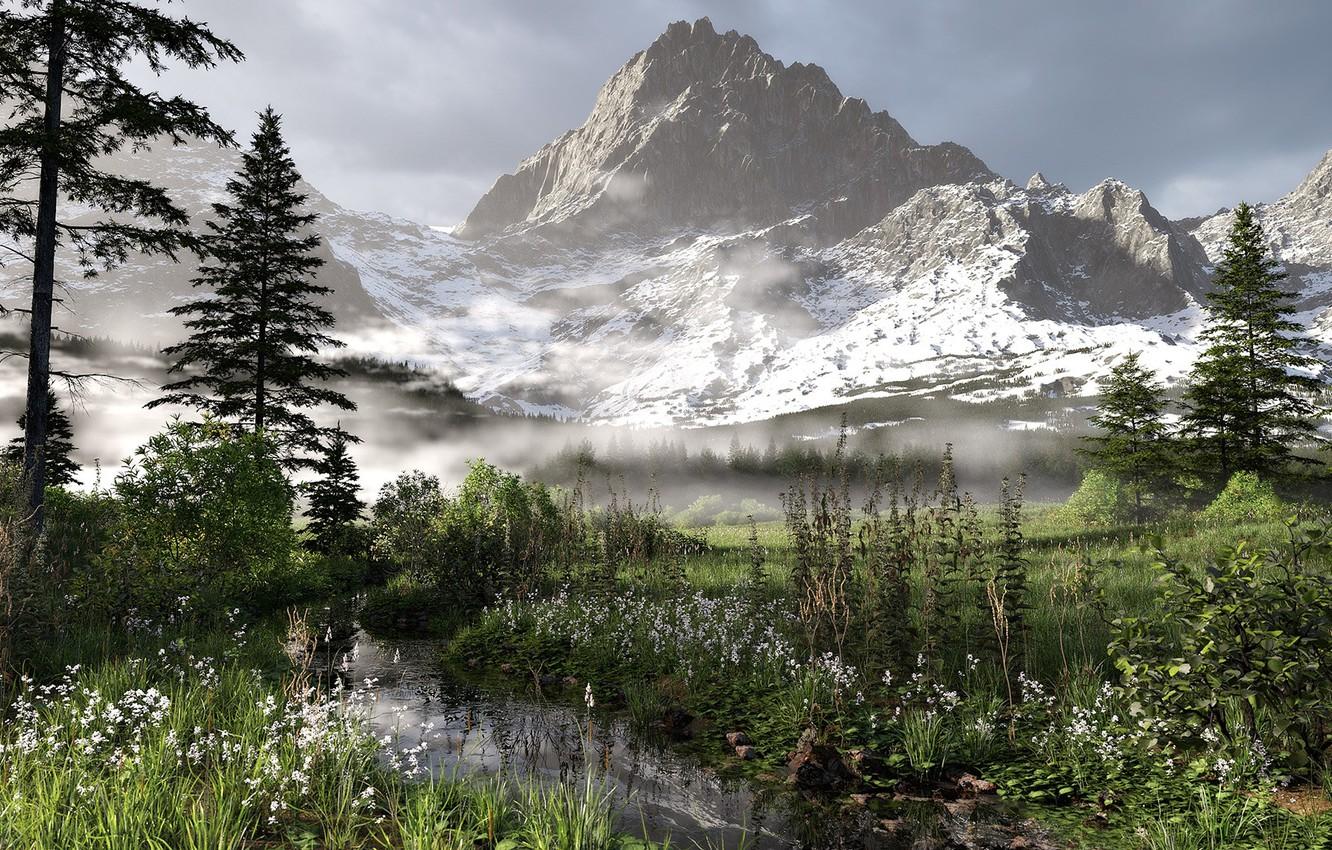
x=414, y=107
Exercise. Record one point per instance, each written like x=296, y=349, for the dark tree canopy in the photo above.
x=334, y=501
x=1250, y=399
x=68, y=103
x=58, y=456
x=252, y=354
x=1135, y=444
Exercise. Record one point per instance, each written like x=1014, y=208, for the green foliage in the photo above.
x=79, y=526
x=405, y=605
x=205, y=510
x=746, y=510
x=1135, y=445
x=335, y=504
x=702, y=512
x=70, y=108
x=404, y=513
x=57, y=453
x=1250, y=401
x=491, y=538
x=1224, y=820
x=1246, y=499
x=1101, y=501
x=1233, y=659
x=251, y=357
x=185, y=744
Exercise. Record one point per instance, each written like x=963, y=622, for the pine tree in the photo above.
x=61, y=470
x=251, y=355
x=1250, y=397
x=68, y=105
x=334, y=501
x=1135, y=446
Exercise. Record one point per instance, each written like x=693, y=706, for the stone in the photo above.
x=818, y=767
x=737, y=739
x=745, y=752
x=676, y=721
x=974, y=785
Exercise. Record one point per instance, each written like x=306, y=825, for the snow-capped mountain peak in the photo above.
x=705, y=130
x=728, y=238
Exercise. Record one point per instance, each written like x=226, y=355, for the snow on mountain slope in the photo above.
x=727, y=238
x=1299, y=232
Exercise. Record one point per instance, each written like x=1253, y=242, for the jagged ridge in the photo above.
x=706, y=130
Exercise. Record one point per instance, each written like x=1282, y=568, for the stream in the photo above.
x=659, y=790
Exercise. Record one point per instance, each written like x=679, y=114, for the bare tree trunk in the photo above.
x=43, y=275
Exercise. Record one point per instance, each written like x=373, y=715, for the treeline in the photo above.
x=205, y=508
x=1048, y=459
x=1251, y=408
x=666, y=457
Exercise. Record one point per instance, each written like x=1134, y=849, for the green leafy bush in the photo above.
x=1100, y=500
x=702, y=512
x=493, y=536
x=1231, y=666
x=1245, y=499
x=205, y=512
x=747, y=508
x=401, y=536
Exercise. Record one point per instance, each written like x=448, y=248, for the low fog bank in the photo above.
x=411, y=420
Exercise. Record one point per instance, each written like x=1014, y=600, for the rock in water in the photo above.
x=818, y=767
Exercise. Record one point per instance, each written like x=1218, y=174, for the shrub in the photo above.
x=1245, y=499
x=1100, y=500
x=1231, y=665
x=493, y=536
x=205, y=511
x=702, y=512
x=748, y=508
x=403, y=514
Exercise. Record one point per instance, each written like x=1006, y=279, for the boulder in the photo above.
x=974, y=785
x=676, y=721
x=818, y=767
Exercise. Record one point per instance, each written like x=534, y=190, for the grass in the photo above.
x=186, y=745
x=732, y=657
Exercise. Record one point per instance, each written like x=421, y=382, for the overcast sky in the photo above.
x=414, y=107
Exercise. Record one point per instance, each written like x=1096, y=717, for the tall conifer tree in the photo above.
x=68, y=105
x=61, y=469
x=1135, y=444
x=334, y=501
x=251, y=357
x=1250, y=399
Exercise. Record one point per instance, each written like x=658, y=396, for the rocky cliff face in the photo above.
x=1299, y=232
x=705, y=130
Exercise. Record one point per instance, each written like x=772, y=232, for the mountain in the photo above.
x=706, y=130
x=728, y=238
x=1299, y=233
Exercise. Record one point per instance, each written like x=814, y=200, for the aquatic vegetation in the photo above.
x=695, y=637
x=182, y=750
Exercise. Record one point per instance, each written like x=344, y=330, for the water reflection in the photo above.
x=512, y=729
